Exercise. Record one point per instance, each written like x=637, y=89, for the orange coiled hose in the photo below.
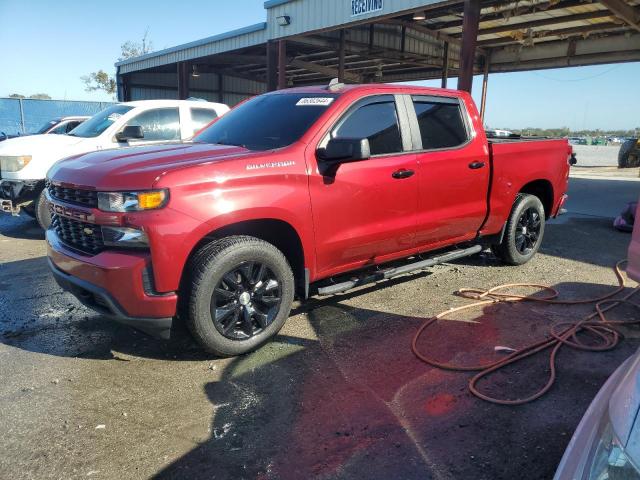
x=564, y=333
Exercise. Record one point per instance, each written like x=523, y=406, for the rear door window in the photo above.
x=159, y=124
x=441, y=123
x=377, y=122
x=201, y=117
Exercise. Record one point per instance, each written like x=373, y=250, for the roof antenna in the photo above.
x=335, y=84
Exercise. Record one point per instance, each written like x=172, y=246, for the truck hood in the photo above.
x=139, y=167
x=37, y=144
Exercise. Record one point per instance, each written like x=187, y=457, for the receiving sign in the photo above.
x=360, y=7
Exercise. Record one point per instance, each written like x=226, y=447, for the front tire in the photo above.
x=239, y=293
x=41, y=211
x=524, y=231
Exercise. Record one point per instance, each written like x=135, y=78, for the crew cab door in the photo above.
x=453, y=171
x=366, y=210
x=159, y=125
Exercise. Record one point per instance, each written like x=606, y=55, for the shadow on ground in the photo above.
x=357, y=403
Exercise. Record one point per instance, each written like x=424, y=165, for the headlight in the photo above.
x=124, y=237
x=609, y=461
x=132, y=201
x=14, y=163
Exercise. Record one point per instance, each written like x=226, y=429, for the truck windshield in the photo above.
x=100, y=121
x=268, y=122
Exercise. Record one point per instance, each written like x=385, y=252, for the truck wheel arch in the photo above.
x=543, y=189
x=276, y=232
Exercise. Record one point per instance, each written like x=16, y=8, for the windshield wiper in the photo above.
x=228, y=144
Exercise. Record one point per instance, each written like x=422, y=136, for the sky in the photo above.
x=47, y=46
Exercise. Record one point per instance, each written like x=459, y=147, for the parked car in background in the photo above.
x=494, y=133
x=577, y=140
x=288, y=194
x=629, y=153
x=24, y=161
x=60, y=126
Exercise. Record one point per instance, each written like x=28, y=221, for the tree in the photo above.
x=101, y=80
x=40, y=96
x=16, y=95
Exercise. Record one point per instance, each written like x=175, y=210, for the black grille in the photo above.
x=85, y=237
x=87, y=198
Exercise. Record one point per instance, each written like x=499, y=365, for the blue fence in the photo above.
x=27, y=115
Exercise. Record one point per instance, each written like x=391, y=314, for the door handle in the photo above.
x=476, y=165
x=402, y=173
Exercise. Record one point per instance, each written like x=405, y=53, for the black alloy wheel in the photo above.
x=246, y=300
x=527, y=231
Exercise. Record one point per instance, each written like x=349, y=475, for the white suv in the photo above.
x=24, y=162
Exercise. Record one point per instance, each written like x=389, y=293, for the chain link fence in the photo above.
x=27, y=115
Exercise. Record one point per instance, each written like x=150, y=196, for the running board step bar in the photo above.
x=393, y=272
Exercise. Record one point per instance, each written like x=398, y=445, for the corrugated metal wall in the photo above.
x=149, y=86
x=252, y=35
x=309, y=15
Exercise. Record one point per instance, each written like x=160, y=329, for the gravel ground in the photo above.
x=338, y=394
x=597, y=155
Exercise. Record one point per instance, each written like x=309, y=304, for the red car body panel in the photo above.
x=363, y=217
x=119, y=273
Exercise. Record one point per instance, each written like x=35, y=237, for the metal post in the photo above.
x=220, y=88
x=341, y=51
x=183, y=81
x=470, y=23
x=282, y=64
x=445, y=64
x=22, y=130
x=272, y=66
x=485, y=81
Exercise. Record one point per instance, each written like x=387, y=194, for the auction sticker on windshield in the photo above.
x=315, y=102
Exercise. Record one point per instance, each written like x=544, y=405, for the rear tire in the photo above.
x=41, y=211
x=239, y=293
x=524, y=231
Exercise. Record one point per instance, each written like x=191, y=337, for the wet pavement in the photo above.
x=338, y=394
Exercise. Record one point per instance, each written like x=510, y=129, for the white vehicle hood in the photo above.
x=37, y=144
x=624, y=407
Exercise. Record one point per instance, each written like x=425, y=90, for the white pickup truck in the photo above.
x=24, y=162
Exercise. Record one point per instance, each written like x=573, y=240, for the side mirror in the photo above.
x=130, y=132
x=343, y=150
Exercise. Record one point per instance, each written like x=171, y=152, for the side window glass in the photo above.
x=441, y=124
x=158, y=124
x=201, y=117
x=378, y=122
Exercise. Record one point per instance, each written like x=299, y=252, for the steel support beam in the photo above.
x=341, y=53
x=282, y=64
x=624, y=11
x=469, y=38
x=544, y=22
x=485, y=82
x=220, y=88
x=272, y=66
x=324, y=70
x=183, y=81
x=445, y=65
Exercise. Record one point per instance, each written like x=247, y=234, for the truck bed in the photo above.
x=514, y=161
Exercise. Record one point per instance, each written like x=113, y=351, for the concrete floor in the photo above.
x=338, y=394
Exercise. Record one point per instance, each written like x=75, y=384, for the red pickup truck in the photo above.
x=283, y=196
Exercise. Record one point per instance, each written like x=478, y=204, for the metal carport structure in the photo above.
x=311, y=41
